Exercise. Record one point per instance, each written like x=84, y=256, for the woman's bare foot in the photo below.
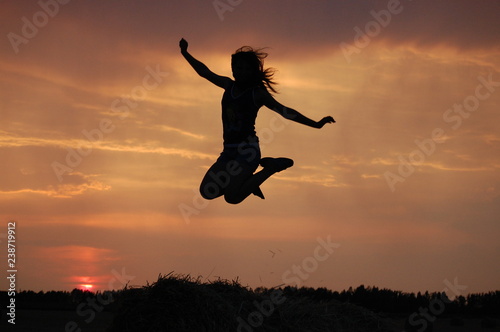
x=276, y=164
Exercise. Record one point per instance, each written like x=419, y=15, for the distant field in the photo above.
x=470, y=325
x=444, y=324
x=180, y=303
x=52, y=321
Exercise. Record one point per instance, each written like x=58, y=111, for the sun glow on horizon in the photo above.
x=87, y=287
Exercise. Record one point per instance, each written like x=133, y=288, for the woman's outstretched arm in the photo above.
x=202, y=69
x=293, y=115
x=290, y=113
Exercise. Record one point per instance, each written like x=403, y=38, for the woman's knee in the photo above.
x=233, y=198
x=209, y=190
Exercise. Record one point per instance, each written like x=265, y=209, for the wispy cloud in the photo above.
x=166, y=128
x=60, y=191
x=131, y=146
x=329, y=181
x=78, y=184
x=442, y=167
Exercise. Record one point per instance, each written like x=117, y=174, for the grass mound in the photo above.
x=183, y=303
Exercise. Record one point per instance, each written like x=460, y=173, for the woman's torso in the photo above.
x=239, y=111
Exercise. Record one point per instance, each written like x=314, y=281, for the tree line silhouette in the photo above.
x=373, y=298
x=391, y=301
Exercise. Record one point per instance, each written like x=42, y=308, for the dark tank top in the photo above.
x=238, y=116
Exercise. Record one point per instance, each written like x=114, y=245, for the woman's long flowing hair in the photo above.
x=255, y=58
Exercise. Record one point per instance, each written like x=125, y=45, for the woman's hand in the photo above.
x=183, y=44
x=325, y=120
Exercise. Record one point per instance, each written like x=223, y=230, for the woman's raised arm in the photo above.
x=202, y=69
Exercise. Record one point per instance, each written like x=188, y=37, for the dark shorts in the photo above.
x=233, y=161
x=245, y=155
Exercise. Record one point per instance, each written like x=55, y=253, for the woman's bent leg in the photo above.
x=246, y=183
x=241, y=186
x=215, y=181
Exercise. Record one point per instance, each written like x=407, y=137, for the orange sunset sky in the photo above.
x=106, y=132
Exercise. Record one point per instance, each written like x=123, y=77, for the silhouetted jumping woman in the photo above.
x=232, y=175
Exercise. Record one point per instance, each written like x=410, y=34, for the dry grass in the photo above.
x=183, y=303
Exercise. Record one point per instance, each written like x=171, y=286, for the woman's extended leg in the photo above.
x=246, y=183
